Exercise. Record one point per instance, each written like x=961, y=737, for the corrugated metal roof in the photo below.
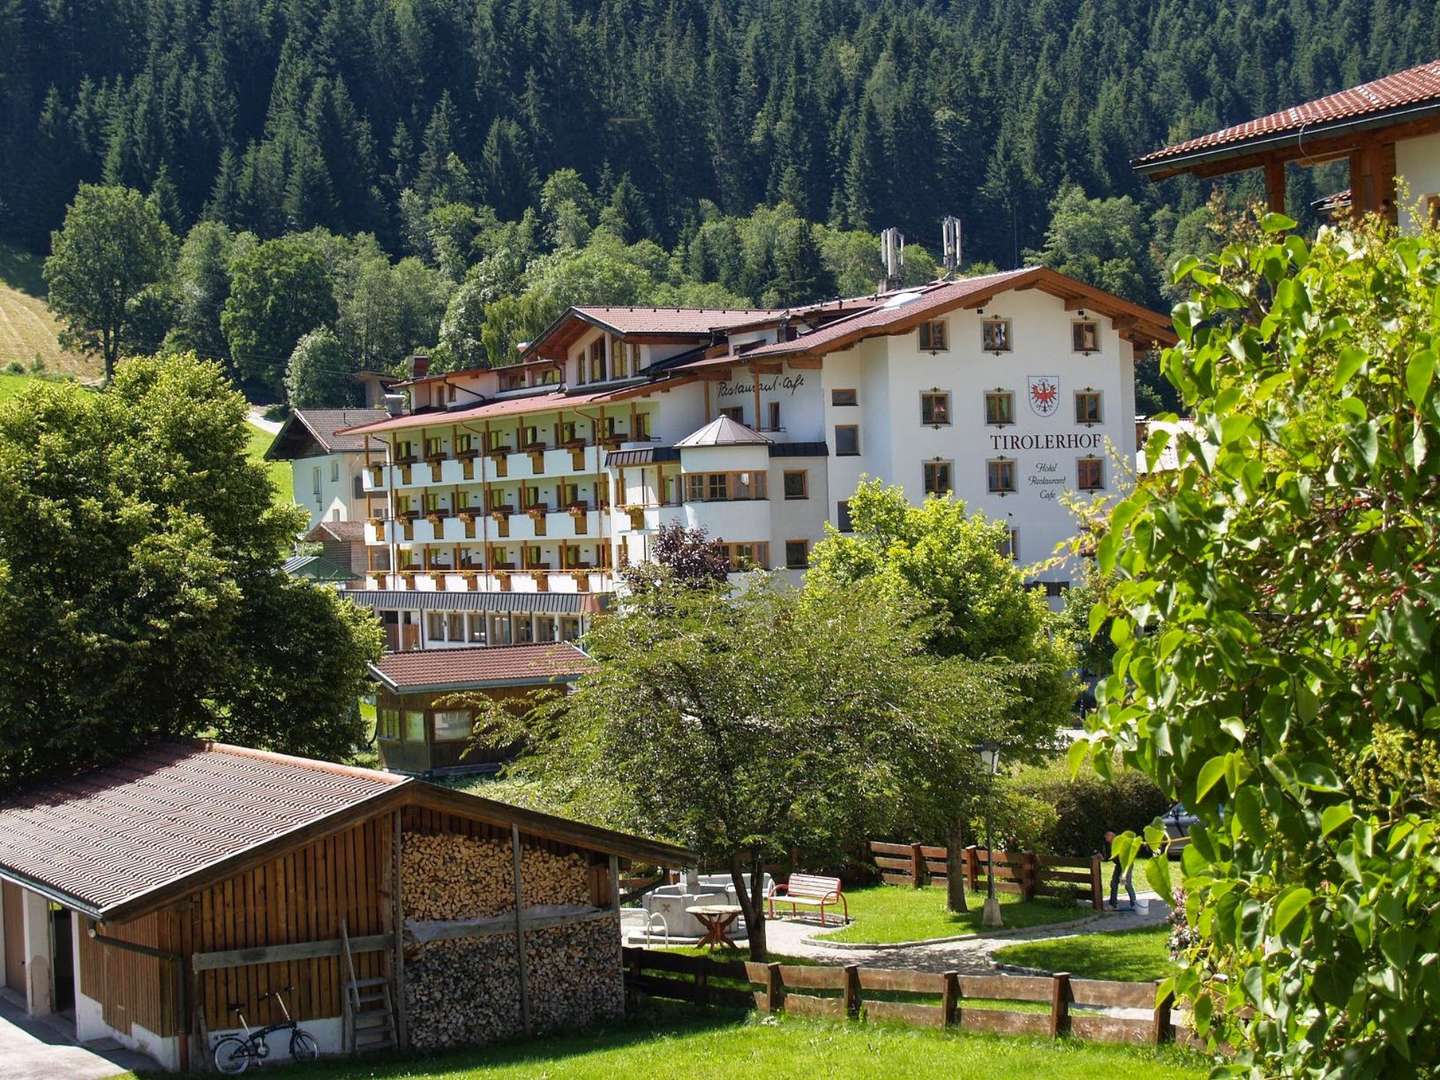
x=317, y=568
x=647, y=456
x=495, y=665
x=104, y=836
x=551, y=603
x=1414, y=86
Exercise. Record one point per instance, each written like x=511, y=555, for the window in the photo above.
x=642, y=427
x=334, y=472
x=597, y=359
x=502, y=630
x=455, y=626
x=476, y=620
x=621, y=354
x=1000, y=475
x=414, y=725
x=797, y=554
x=844, y=397
x=847, y=440
x=1010, y=546
x=529, y=435
x=773, y=410
x=387, y=723
x=717, y=487
x=452, y=725
x=745, y=556
x=995, y=335
x=1086, y=335
x=724, y=487
x=1090, y=473
x=1087, y=406
x=569, y=629
x=932, y=337
x=315, y=479
x=938, y=478
x=435, y=625
x=734, y=412
x=335, y=515
x=545, y=631
x=512, y=380
x=999, y=407
x=797, y=485
x=935, y=407
x=1056, y=589
x=842, y=516
x=524, y=631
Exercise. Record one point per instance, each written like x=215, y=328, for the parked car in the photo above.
x=1178, y=820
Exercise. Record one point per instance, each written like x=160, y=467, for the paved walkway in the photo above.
x=969, y=956
x=257, y=417
x=45, y=1049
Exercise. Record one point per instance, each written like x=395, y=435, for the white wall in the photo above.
x=796, y=390
x=1417, y=161
x=38, y=983
x=336, y=496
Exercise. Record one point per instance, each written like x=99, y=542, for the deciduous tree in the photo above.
x=279, y=291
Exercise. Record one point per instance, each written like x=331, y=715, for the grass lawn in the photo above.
x=704, y=1044
x=889, y=913
x=1130, y=955
x=281, y=477
x=27, y=328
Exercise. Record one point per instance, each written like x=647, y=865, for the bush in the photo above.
x=1086, y=806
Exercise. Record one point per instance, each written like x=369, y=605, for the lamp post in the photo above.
x=990, y=917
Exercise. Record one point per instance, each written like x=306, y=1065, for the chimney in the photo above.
x=950, y=242
x=419, y=365
x=892, y=255
x=395, y=404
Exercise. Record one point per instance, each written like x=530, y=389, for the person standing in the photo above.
x=1114, y=904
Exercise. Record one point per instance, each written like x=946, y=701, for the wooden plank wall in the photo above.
x=133, y=989
x=297, y=897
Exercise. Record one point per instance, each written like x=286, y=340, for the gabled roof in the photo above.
x=351, y=531
x=122, y=839
x=325, y=427
x=640, y=322
x=554, y=401
x=1396, y=98
x=433, y=670
x=903, y=310
x=722, y=431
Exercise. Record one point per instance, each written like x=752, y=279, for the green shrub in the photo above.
x=1085, y=806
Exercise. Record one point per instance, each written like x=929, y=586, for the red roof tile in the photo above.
x=650, y=320
x=494, y=665
x=112, y=833
x=1414, y=86
x=491, y=410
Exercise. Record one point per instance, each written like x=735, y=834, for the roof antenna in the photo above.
x=892, y=254
x=950, y=243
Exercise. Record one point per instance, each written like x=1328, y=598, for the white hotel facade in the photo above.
x=502, y=506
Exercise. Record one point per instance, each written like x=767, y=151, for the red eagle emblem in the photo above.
x=1044, y=394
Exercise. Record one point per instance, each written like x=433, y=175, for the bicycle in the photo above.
x=234, y=1054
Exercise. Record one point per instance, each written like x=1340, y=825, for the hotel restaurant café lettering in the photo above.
x=1047, y=475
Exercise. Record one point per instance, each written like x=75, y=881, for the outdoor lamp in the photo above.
x=990, y=758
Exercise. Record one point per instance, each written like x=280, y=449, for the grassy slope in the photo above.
x=27, y=329
x=707, y=1045
x=280, y=475
x=887, y=913
x=1131, y=955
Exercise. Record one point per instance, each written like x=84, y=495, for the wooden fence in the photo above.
x=916, y=997
x=1023, y=872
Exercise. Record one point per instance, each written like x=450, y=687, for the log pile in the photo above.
x=575, y=974
x=448, y=876
x=462, y=992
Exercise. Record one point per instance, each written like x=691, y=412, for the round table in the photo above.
x=717, y=919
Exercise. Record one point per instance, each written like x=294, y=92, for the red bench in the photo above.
x=812, y=890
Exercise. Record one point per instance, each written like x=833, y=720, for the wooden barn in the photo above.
x=150, y=895
x=419, y=729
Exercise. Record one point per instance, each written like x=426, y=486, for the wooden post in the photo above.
x=955, y=873
x=397, y=927
x=1275, y=185
x=1162, y=1030
x=1059, y=1004
x=1097, y=889
x=1032, y=874
x=972, y=868
x=852, y=991
x=524, y=964
x=917, y=866
x=774, y=989
x=614, y=883
x=950, y=999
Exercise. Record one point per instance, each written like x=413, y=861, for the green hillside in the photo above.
x=280, y=473
x=27, y=329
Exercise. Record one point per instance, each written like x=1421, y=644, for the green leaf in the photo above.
x=1289, y=905
x=1418, y=374
x=1332, y=817
x=1204, y=1006
x=1273, y=222
x=1318, y=778
x=1351, y=360
x=1157, y=872
x=1210, y=774
x=1247, y=811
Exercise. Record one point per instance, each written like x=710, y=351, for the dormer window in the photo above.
x=512, y=380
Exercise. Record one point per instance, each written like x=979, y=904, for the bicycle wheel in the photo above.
x=232, y=1055
x=303, y=1046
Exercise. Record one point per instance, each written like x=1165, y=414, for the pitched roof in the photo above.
x=108, y=835
x=116, y=841
x=722, y=431
x=494, y=665
x=337, y=530
x=1400, y=94
x=317, y=568
x=553, y=401
x=639, y=321
x=326, y=427
x=902, y=310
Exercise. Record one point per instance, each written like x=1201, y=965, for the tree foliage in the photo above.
x=140, y=587
x=1274, y=613
x=280, y=290
x=745, y=725
x=320, y=375
x=112, y=246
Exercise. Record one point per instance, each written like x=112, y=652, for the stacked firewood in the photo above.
x=574, y=974
x=449, y=876
x=462, y=992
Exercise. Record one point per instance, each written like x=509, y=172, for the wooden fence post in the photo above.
x=1162, y=1030
x=950, y=999
x=852, y=991
x=1097, y=888
x=917, y=865
x=955, y=872
x=972, y=868
x=774, y=989
x=1032, y=874
x=1060, y=1004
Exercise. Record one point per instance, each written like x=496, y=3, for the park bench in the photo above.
x=812, y=890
